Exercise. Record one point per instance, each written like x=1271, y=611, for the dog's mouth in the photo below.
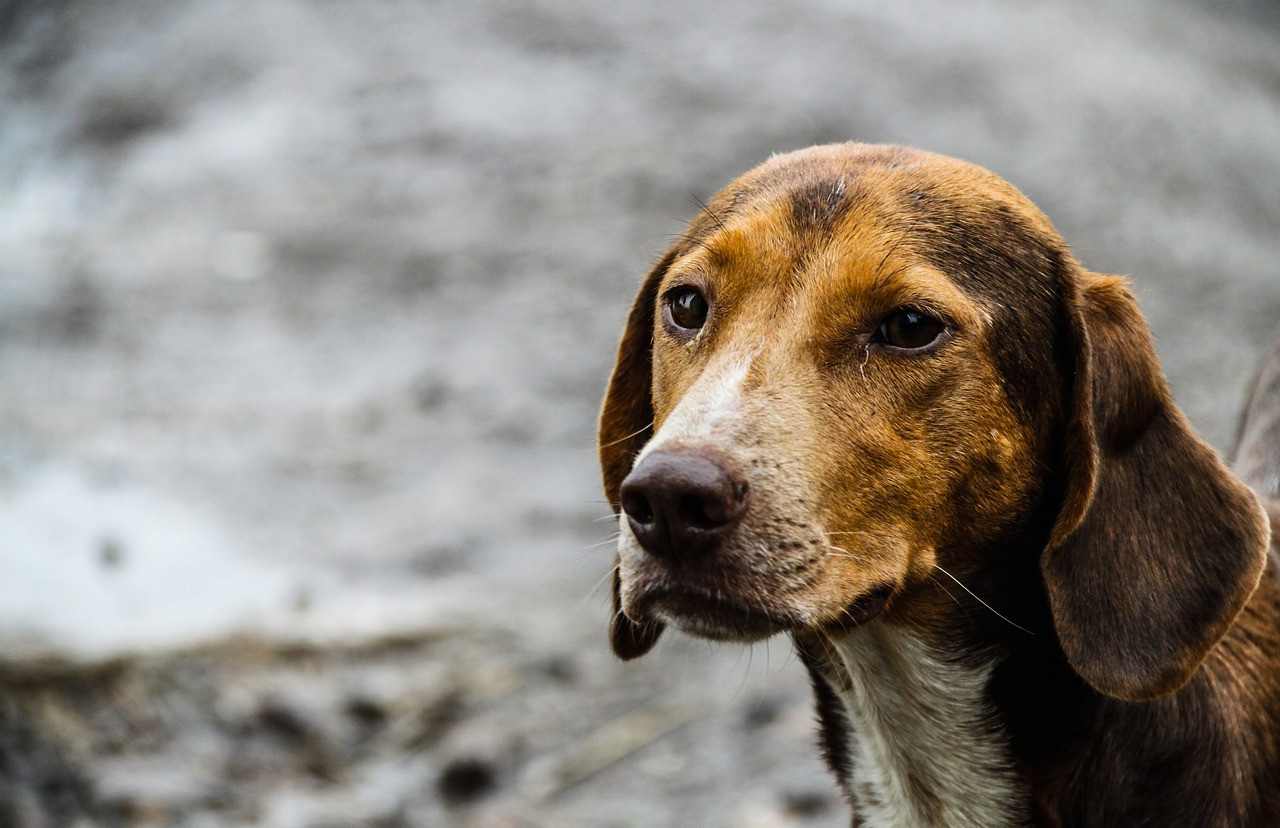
x=710, y=613
x=717, y=615
x=862, y=609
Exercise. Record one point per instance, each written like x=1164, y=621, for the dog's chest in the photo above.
x=923, y=745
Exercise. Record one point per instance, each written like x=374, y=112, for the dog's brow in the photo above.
x=881, y=277
x=708, y=212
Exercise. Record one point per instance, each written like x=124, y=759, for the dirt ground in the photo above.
x=306, y=309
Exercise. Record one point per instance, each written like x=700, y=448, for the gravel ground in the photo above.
x=305, y=312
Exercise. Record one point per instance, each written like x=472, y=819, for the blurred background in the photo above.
x=305, y=311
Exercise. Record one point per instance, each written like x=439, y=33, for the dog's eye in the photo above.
x=910, y=330
x=688, y=309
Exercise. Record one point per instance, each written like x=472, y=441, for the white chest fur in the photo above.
x=925, y=749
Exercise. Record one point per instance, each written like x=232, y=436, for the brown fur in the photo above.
x=1036, y=457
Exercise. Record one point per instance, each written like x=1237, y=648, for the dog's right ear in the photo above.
x=626, y=424
x=626, y=419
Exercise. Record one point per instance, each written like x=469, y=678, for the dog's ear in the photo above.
x=626, y=419
x=626, y=424
x=1157, y=546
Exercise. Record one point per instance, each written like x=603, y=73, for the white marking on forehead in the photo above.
x=710, y=410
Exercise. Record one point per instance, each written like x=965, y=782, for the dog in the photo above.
x=869, y=399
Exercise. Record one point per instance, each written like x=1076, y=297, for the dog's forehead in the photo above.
x=830, y=177
x=958, y=218
x=866, y=211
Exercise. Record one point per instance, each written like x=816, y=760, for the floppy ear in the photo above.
x=1157, y=546
x=626, y=424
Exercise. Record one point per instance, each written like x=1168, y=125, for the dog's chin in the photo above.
x=714, y=617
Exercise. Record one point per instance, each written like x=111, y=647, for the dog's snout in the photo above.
x=682, y=503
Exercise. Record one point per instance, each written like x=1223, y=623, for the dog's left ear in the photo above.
x=626, y=424
x=1157, y=546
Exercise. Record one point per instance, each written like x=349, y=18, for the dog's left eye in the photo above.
x=910, y=330
x=688, y=309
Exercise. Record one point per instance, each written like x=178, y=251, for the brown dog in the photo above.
x=869, y=399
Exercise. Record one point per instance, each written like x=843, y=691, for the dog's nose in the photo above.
x=682, y=503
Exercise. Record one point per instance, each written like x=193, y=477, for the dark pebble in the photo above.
x=466, y=780
x=283, y=721
x=761, y=712
x=559, y=668
x=368, y=712
x=806, y=804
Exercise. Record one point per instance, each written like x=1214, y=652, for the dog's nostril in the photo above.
x=710, y=510
x=637, y=507
x=692, y=510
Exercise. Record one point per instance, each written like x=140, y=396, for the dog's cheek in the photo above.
x=1000, y=484
x=981, y=464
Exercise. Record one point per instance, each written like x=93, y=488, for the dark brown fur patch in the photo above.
x=818, y=205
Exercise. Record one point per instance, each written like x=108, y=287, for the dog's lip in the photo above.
x=709, y=614
x=862, y=609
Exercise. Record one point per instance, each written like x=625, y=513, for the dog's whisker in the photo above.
x=627, y=437
x=689, y=238
x=595, y=588
x=958, y=602
x=998, y=614
x=706, y=211
x=589, y=552
x=606, y=542
x=882, y=280
x=845, y=553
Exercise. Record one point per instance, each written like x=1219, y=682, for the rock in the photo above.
x=466, y=780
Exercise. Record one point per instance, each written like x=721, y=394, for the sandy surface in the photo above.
x=305, y=312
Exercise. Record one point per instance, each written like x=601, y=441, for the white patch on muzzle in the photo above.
x=709, y=414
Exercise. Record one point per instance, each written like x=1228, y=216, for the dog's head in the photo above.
x=862, y=364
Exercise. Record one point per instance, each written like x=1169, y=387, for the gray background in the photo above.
x=306, y=309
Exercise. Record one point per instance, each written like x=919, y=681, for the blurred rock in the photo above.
x=465, y=780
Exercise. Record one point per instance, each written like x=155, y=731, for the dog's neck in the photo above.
x=921, y=746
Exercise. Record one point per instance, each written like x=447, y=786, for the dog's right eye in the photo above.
x=908, y=329
x=687, y=309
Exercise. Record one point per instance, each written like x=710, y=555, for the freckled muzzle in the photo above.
x=720, y=556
